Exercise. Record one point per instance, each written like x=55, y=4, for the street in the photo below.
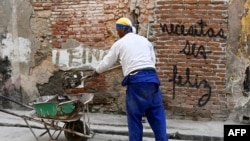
x=112, y=127
x=15, y=129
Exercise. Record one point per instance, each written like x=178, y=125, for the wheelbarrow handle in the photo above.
x=86, y=77
x=67, y=102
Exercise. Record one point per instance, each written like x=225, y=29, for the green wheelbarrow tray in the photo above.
x=55, y=109
x=46, y=109
x=66, y=107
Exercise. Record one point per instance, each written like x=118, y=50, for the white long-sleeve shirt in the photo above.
x=133, y=51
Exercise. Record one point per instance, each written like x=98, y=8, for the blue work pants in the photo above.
x=145, y=98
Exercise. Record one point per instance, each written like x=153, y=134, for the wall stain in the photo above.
x=5, y=70
x=244, y=49
x=5, y=74
x=245, y=31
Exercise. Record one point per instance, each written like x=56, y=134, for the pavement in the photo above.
x=113, y=127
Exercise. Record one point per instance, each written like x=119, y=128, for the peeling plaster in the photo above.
x=17, y=50
x=241, y=57
x=236, y=61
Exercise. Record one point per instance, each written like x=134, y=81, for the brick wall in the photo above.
x=73, y=19
x=90, y=23
x=190, y=41
x=189, y=38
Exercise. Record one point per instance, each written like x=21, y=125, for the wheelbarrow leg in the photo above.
x=48, y=131
x=86, y=120
x=57, y=134
x=60, y=131
x=31, y=130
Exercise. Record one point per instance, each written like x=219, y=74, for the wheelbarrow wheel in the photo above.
x=78, y=127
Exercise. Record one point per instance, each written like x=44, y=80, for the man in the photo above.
x=143, y=96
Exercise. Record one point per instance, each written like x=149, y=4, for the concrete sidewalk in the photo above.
x=116, y=125
x=176, y=129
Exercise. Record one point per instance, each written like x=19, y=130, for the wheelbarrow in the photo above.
x=70, y=116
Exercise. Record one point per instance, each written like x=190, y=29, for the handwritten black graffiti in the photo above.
x=190, y=50
x=194, y=30
x=177, y=80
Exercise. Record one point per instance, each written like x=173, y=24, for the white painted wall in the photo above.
x=17, y=49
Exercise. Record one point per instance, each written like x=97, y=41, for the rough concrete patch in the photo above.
x=44, y=14
x=71, y=43
x=39, y=27
x=23, y=14
x=43, y=72
x=242, y=108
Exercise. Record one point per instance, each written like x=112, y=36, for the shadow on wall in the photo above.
x=247, y=81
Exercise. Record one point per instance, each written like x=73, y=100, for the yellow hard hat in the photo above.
x=124, y=21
